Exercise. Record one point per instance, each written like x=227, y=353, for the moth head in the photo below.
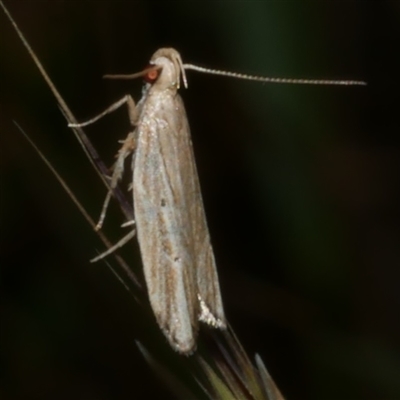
x=170, y=69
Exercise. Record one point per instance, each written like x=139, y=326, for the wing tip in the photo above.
x=185, y=346
x=210, y=318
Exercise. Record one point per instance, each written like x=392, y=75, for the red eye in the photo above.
x=152, y=75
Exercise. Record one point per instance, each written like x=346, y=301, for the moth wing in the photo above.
x=209, y=294
x=164, y=193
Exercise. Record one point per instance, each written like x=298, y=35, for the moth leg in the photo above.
x=133, y=111
x=116, y=246
x=127, y=99
x=127, y=148
x=128, y=223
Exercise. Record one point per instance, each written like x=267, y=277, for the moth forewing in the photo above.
x=177, y=257
x=208, y=291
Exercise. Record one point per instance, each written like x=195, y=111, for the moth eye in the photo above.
x=152, y=75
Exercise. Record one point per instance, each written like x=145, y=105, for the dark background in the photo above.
x=299, y=184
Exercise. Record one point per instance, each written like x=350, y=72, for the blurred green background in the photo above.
x=299, y=184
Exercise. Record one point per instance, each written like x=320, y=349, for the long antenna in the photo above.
x=272, y=80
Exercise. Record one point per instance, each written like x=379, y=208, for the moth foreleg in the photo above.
x=133, y=113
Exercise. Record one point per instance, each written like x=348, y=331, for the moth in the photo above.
x=178, y=259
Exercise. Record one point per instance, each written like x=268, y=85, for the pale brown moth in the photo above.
x=178, y=259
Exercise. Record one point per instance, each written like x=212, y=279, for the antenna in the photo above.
x=272, y=80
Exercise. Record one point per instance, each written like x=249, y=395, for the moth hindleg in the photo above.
x=116, y=246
